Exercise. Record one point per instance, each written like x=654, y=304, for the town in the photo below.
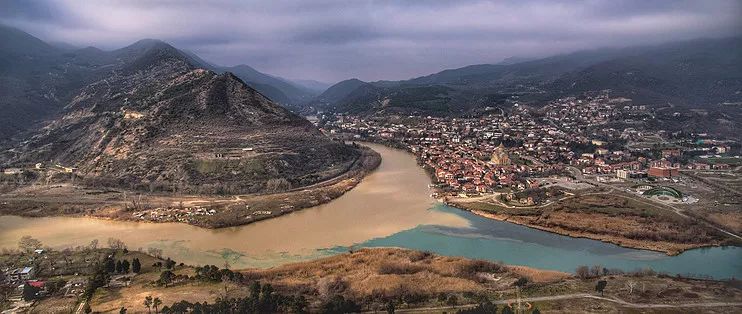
x=507, y=164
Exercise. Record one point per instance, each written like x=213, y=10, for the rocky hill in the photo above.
x=159, y=122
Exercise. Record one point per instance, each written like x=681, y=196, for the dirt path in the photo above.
x=678, y=211
x=583, y=296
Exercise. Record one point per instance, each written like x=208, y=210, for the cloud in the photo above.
x=334, y=40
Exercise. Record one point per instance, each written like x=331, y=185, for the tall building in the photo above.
x=500, y=156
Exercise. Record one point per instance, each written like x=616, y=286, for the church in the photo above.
x=500, y=156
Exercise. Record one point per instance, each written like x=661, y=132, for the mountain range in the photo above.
x=152, y=117
x=690, y=73
x=38, y=78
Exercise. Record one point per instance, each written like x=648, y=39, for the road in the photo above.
x=579, y=176
x=585, y=296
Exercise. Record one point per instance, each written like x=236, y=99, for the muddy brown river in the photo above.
x=393, y=198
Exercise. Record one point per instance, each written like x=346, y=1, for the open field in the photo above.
x=609, y=216
x=200, y=210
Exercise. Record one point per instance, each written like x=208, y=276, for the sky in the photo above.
x=328, y=40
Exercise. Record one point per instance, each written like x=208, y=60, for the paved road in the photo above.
x=579, y=176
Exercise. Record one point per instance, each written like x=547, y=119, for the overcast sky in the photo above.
x=371, y=40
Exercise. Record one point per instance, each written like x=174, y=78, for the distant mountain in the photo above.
x=277, y=89
x=691, y=73
x=698, y=72
x=160, y=122
x=35, y=79
x=316, y=87
x=514, y=60
x=339, y=91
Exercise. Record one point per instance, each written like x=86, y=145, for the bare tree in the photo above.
x=155, y=252
x=631, y=285
x=116, y=244
x=29, y=244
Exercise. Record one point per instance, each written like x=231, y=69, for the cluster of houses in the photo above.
x=481, y=154
x=174, y=214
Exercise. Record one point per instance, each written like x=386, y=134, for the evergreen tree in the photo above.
x=110, y=266
x=119, y=267
x=125, y=264
x=136, y=266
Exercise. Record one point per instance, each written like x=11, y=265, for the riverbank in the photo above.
x=607, y=218
x=199, y=210
x=610, y=218
x=366, y=279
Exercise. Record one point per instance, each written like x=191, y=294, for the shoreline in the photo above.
x=622, y=242
x=661, y=247
x=320, y=193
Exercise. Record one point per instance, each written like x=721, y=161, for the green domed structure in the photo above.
x=663, y=190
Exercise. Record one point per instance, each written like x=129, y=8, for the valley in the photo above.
x=432, y=157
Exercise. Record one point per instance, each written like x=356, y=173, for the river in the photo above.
x=390, y=207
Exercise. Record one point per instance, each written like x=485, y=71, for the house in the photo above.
x=19, y=274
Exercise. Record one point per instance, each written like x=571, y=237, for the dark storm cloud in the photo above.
x=333, y=40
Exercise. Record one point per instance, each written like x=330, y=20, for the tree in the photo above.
x=148, y=303
x=583, y=272
x=29, y=292
x=156, y=304
x=155, y=252
x=601, y=286
x=116, y=244
x=596, y=270
x=93, y=244
x=125, y=264
x=110, y=265
x=452, y=301
x=390, y=306
x=299, y=305
x=338, y=304
x=166, y=277
x=522, y=281
x=136, y=266
x=119, y=267
x=169, y=264
x=29, y=244
x=631, y=285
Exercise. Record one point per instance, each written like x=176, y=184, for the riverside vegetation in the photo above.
x=363, y=280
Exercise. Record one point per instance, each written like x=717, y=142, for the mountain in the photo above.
x=315, y=87
x=35, y=79
x=160, y=122
x=690, y=73
x=340, y=90
x=275, y=88
x=698, y=72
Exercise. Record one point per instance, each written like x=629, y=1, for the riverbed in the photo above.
x=390, y=207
